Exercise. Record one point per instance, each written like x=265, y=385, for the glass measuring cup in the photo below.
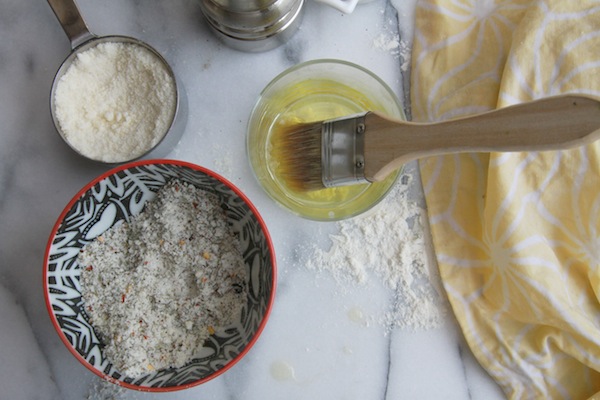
x=82, y=40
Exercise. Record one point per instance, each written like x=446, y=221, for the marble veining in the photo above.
x=325, y=353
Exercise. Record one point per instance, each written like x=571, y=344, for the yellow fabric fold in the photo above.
x=516, y=236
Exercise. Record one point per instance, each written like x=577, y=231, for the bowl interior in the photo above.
x=119, y=195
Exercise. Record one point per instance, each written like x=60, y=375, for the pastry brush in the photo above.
x=368, y=147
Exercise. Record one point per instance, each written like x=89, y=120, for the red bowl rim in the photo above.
x=197, y=168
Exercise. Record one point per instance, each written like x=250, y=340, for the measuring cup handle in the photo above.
x=71, y=21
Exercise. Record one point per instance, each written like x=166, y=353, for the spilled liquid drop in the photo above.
x=283, y=371
x=356, y=315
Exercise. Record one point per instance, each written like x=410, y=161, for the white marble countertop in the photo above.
x=314, y=346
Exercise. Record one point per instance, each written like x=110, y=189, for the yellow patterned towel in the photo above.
x=517, y=236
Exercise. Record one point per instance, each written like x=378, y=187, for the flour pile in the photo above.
x=389, y=244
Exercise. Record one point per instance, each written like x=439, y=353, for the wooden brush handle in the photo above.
x=548, y=124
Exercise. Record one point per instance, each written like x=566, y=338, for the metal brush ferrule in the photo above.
x=343, y=151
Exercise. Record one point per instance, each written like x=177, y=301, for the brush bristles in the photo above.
x=298, y=149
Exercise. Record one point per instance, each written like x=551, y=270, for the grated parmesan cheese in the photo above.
x=115, y=101
x=157, y=287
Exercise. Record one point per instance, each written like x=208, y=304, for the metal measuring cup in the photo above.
x=81, y=40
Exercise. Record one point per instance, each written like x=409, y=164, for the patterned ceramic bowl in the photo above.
x=118, y=195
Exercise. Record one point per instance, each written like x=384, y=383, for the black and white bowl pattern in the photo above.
x=118, y=195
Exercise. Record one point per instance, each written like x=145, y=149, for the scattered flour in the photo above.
x=393, y=39
x=157, y=287
x=390, y=244
x=391, y=43
x=387, y=42
x=223, y=160
x=115, y=101
x=104, y=390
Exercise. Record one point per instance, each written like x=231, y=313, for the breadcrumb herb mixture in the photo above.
x=157, y=287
